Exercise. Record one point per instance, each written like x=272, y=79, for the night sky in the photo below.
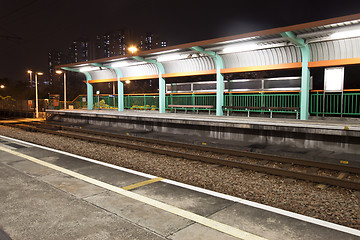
x=30, y=29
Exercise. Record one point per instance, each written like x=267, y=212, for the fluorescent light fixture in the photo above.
x=122, y=64
x=241, y=48
x=169, y=57
x=88, y=69
x=345, y=34
x=167, y=51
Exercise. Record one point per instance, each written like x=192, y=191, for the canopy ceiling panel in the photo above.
x=189, y=65
x=270, y=56
x=140, y=70
x=335, y=49
x=102, y=74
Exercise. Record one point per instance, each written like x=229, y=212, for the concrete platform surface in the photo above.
x=49, y=194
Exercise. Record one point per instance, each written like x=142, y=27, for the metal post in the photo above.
x=64, y=90
x=89, y=93
x=89, y=87
x=305, y=83
x=120, y=95
x=98, y=100
x=305, y=72
x=162, y=86
x=36, y=98
x=219, y=78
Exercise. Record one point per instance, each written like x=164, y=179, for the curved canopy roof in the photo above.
x=332, y=42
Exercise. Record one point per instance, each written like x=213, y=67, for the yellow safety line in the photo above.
x=160, y=205
x=140, y=184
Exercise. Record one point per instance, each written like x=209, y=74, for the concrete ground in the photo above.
x=52, y=195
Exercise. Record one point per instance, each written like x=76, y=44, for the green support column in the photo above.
x=120, y=95
x=89, y=87
x=305, y=72
x=219, y=78
x=119, y=75
x=161, y=69
x=89, y=92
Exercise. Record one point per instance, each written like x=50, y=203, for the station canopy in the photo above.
x=332, y=42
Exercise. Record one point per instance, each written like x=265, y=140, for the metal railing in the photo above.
x=141, y=102
x=330, y=104
x=192, y=99
x=263, y=99
x=351, y=101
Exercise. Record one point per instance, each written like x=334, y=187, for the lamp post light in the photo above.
x=132, y=49
x=60, y=72
x=36, y=94
x=30, y=72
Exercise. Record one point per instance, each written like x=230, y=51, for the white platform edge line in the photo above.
x=224, y=228
x=206, y=191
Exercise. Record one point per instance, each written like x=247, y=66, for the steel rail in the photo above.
x=232, y=152
x=274, y=171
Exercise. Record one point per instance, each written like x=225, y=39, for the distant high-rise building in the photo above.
x=151, y=41
x=78, y=51
x=55, y=58
x=101, y=46
x=112, y=44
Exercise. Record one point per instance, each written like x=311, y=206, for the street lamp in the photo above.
x=30, y=72
x=60, y=72
x=133, y=49
x=36, y=94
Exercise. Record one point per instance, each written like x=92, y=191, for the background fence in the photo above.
x=290, y=99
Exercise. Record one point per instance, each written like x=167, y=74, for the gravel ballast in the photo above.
x=333, y=204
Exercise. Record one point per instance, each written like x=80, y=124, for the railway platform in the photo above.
x=50, y=194
x=335, y=140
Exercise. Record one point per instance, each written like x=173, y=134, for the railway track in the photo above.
x=103, y=138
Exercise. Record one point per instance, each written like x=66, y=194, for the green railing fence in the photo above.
x=263, y=99
x=191, y=99
x=143, y=102
x=351, y=101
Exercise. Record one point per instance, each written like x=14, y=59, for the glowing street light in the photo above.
x=60, y=72
x=133, y=49
x=2, y=86
x=30, y=72
x=127, y=81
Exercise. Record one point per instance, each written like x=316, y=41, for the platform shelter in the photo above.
x=327, y=43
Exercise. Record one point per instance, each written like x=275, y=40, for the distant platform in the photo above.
x=332, y=135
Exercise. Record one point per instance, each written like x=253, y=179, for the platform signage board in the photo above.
x=334, y=82
x=334, y=79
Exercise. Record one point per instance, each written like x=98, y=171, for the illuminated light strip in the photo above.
x=143, y=183
x=279, y=211
x=177, y=211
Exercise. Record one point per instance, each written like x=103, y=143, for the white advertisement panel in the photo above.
x=334, y=79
